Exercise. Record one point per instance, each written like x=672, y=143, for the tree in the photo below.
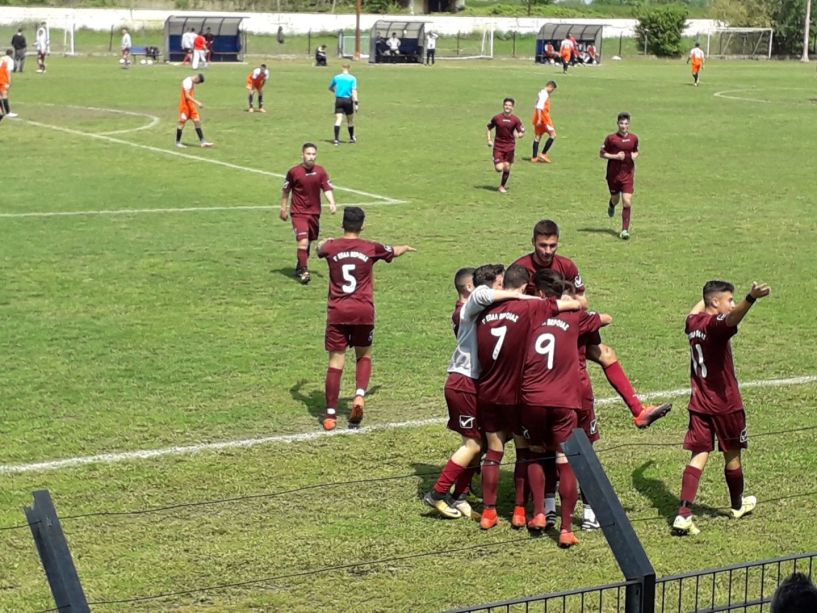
x=661, y=27
x=744, y=13
x=787, y=17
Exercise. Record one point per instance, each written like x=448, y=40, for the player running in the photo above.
x=350, y=309
x=716, y=408
x=543, y=124
x=620, y=149
x=697, y=57
x=255, y=85
x=508, y=128
x=189, y=110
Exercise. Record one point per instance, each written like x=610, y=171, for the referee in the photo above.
x=344, y=86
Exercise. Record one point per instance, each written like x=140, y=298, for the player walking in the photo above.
x=716, y=408
x=126, y=45
x=620, y=149
x=305, y=183
x=41, y=44
x=344, y=86
x=189, y=110
x=255, y=85
x=508, y=127
x=350, y=309
x=697, y=57
x=543, y=124
x=6, y=68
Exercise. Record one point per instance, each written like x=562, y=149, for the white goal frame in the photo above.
x=485, y=52
x=767, y=51
x=346, y=45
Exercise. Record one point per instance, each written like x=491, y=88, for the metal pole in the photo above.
x=646, y=36
x=806, y=27
x=357, y=28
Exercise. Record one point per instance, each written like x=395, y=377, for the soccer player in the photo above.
x=508, y=128
x=566, y=53
x=199, y=51
x=620, y=149
x=126, y=45
x=189, y=110
x=305, y=183
x=550, y=397
x=350, y=309
x=464, y=284
x=188, y=42
x=6, y=68
x=41, y=44
x=696, y=56
x=715, y=406
x=255, y=85
x=543, y=124
x=502, y=332
x=344, y=86
x=210, y=41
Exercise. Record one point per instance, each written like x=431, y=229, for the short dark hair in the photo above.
x=263, y=65
x=516, y=277
x=796, y=594
x=545, y=227
x=553, y=83
x=623, y=115
x=715, y=287
x=201, y=78
x=549, y=282
x=308, y=145
x=509, y=99
x=462, y=276
x=353, y=217
x=9, y=51
x=487, y=274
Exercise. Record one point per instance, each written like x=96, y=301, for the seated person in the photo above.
x=320, y=56
x=393, y=44
x=380, y=47
x=592, y=54
x=550, y=54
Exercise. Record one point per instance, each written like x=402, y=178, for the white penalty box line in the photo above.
x=147, y=454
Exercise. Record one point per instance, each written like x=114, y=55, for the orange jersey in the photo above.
x=257, y=78
x=187, y=108
x=5, y=74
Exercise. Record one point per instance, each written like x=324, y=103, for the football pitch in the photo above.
x=162, y=370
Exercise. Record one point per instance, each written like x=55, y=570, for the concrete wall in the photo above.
x=301, y=23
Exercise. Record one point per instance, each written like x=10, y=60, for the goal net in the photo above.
x=476, y=45
x=346, y=45
x=741, y=43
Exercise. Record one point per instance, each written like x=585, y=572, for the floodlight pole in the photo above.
x=806, y=27
x=357, y=28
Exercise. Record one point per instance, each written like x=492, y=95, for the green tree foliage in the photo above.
x=662, y=27
x=785, y=16
x=744, y=13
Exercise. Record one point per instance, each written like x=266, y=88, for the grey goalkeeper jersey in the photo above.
x=464, y=361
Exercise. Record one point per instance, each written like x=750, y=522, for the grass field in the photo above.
x=127, y=330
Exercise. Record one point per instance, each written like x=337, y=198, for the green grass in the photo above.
x=141, y=331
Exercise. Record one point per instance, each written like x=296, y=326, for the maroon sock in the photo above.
x=505, y=175
x=520, y=476
x=363, y=372
x=463, y=483
x=625, y=217
x=490, y=476
x=568, y=494
x=551, y=477
x=734, y=481
x=303, y=258
x=333, y=376
x=689, y=488
x=621, y=383
x=536, y=480
x=447, y=478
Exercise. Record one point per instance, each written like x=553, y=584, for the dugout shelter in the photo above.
x=412, y=35
x=555, y=33
x=229, y=45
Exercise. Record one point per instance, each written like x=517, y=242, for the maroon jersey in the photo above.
x=564, y=266
x=455, y=317
x=505, y=125
x=502, y=333
x=550, y=376
x=714, y=385
x=351, y=295
x=305, y=187
x=615, y=143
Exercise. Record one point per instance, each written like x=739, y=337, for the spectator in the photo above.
x=210, y=41
x=796, y=594
x=19, y=44
x=393, y=44
x=431, y=47
x=320, y=56
x=188, y=40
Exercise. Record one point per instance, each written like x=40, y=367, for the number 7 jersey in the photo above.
x=351, y=279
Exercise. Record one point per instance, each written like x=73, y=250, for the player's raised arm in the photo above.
x=736, y=315
x=699, y=307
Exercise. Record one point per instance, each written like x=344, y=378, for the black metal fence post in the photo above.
x=55, y=555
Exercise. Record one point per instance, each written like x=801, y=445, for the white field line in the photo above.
x=196, y=158
x=725, y=94
x=144, y=454
x=192, y=209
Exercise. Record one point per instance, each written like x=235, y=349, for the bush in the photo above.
x=662, y=28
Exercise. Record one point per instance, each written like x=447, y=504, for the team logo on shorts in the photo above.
x=467, y=421
x=525, y=433
x=594, y=427
x=744, y=436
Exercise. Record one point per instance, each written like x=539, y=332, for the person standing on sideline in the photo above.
x=543, y=124
x=127, y=43
x=508, y=128
x=304, y=183
x=716, y=408
x=6, y=68
x=20, y=45
x=210, y=41
x=344, y=86
x=620, y=149
x=697, y=57
x=189, y=110
x=199, y=51
x=42, y=45
x=188, y=40
x=350, y=315
x=431, y=48
x=255, y=85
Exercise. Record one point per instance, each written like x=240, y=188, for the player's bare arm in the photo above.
x=402, y=249
x=699, y=307
x=330, y=196
x=736, y=315
x=284, y=212
x=606, y=319
x=634, y=155
x=569, y=304
x=490, y=138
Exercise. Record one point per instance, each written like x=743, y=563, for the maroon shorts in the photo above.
x=339, y=337
x=497, y=418
x=587, y=421
x=730, y=430
x=547, y=426
x=501, y=157
x=306, y=226
x=621, y=184
x=461, y=398
x=588, y=400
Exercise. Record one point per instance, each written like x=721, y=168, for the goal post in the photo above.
x=346, y=45
x=740, y=43
x=475, y=45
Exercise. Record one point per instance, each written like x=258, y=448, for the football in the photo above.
x=121, y=60
x=143, y=61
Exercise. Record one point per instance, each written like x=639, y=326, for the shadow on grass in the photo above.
x=289, y=273
x=665, y=501
x=489, y=188
x=609, y=231
x=315, y=400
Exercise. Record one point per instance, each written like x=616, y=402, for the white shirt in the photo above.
x=393, y=43
x=431, y=41
x=697, y=53
x=566, y=44
x=126, y=41
x=257, y=73
x=187, y=84
x=9, y=62
x=542, y=99
x=41, y=43
x=188, y=40
x=465, y=361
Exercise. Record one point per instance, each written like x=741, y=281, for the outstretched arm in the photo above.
x=759, y=290
x=402, y=249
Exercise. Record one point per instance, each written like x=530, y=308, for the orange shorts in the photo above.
x=542, y=123
x=190, y=112
x=566, y=56
x=696, y=67
x=4, y=89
